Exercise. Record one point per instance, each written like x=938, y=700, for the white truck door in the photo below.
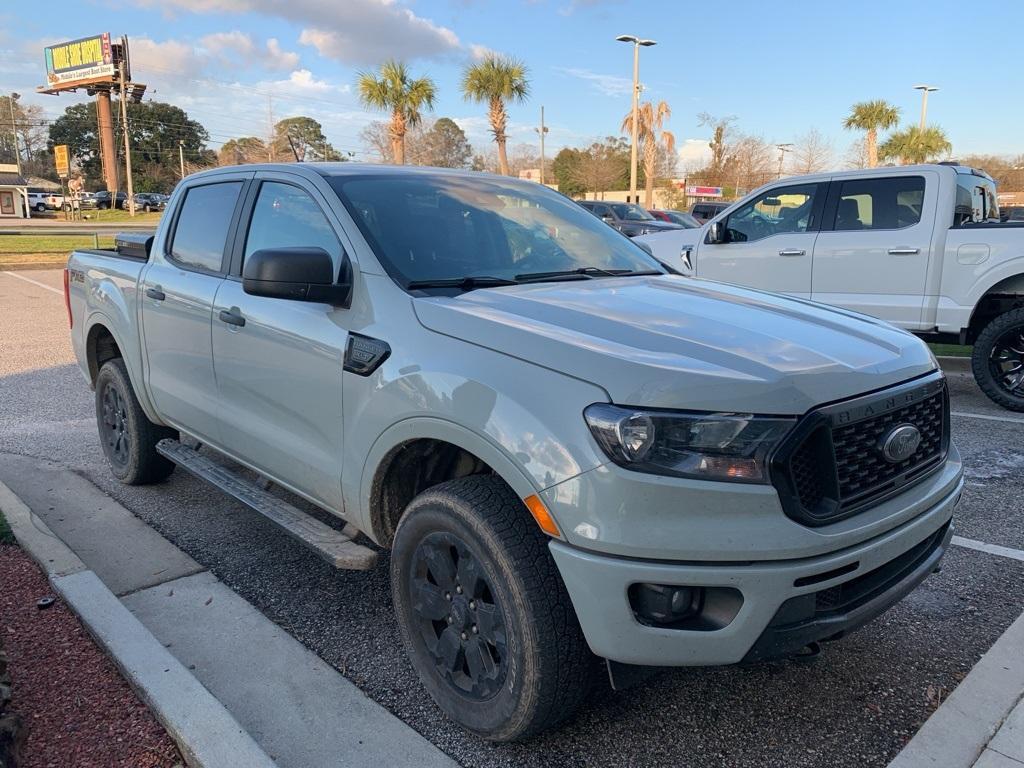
x=177, y=304
x=279, y=362
x=768, y=241
x=873, y=250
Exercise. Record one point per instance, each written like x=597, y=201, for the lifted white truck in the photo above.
x=569, y=452
x=919, y=246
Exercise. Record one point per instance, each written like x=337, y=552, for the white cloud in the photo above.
x=693, y=153
x=609, y=85
x=479, y=52
x=170, y=56
x=277, y=58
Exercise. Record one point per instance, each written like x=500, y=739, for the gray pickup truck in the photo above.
x=571, y=453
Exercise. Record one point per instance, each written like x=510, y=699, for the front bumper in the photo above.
x=776, y=616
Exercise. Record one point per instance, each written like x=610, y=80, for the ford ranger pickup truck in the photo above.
x=919, y=246
x=570, y=453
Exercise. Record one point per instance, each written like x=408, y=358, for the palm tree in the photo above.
x=912, y=145
x=871, y=117
x=393, y=89
x=493, y=81
x=649, y=136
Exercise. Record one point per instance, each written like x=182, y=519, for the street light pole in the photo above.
x=925, y=90
x=637, y=42
x=783, y=149
x=542, y=130
x=181, y=156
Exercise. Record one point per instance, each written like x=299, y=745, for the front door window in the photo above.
x=777, y=211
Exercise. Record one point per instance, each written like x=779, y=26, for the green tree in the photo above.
x=306, y=136
x=872, y=117
x=247, y=149
x=154, y=132
x=445, y=145
x=912, y=145
x=721, y=143
x=566, y=170
x=604, y=165
x=651, y=137
x=30, y=127
x=494, y=81
x=394, y=90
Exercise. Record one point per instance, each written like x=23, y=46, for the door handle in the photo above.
x=792, y=252
x=156, y=294
x=232, y=317
x=903, y=251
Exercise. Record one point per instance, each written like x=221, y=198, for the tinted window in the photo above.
x=630, y=212
x=432, y=227
x=202, y=227
x=285, y=216
x=777, y=211
x=976, y=200
x=888, y=203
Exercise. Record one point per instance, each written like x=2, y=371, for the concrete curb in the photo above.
x=955, y=364
x=206, y=733
x=959, y=731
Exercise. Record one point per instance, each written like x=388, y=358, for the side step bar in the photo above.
x=336, y=547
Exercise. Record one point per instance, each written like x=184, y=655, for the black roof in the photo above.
x=12, y=180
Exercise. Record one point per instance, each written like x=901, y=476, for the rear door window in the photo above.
x=881, y=203
x=201, y=230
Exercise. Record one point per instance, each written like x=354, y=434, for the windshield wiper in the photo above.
x=467, y=283
x=585, y=272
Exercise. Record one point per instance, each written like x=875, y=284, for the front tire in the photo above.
x=127, y=436
x=483, y=612
x=998, y=360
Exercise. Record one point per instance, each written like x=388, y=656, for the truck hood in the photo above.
x=672, y=342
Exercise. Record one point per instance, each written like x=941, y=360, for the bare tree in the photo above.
x=721, y=139
x=603, y=165
x=812, y=153
x=378, y=142
x=749, y=164
x=857, y=154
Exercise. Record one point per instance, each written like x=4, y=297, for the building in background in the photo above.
x=13, y=193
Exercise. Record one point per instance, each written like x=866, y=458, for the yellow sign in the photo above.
x=60, y=159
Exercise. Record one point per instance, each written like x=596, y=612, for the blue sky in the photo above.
x=782, y=68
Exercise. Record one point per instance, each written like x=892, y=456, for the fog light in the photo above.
x=663, y=603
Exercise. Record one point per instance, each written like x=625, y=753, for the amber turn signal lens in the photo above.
x=541, y=515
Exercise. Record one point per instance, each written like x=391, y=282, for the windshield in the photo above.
x=976, y=200
x=426, y=227
x=683, y=219
x=630, y=212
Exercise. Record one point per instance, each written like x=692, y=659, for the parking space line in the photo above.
x=35, y=282
x=992, y=549
x=986, y=417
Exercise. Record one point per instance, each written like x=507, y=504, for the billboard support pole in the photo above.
x=108, y=155
x=127, y=143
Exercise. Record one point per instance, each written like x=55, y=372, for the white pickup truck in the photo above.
x=919, y=246
x=567, y=450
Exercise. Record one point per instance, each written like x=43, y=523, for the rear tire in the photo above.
x=483, y=612
x=127, y=436
x=998, y=360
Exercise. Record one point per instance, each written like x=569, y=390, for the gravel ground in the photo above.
x=856, y=705
x=77, y=708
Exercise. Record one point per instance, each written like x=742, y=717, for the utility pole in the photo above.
x=181, y=156
x=14, y=131
x=270, y=121
x=637, y=42
x=783, y=149
x=542, y=130
x=925, y=90
x=127, y=144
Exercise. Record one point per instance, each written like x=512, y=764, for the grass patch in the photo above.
x=24, y=245
x=6, y=535
x=96, y=216
x=951, y=350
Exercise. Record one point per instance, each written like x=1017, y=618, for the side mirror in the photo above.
x=608, y=219
x=716, y=233
x=299, y=274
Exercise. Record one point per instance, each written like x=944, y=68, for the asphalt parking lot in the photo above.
x=855, y=705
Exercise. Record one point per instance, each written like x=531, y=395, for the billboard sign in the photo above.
x=79, y=61
x=60, y=159
x=697, y=191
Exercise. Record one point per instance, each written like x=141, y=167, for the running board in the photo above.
x=336, y=547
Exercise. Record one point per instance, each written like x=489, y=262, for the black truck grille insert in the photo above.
x=836, y=463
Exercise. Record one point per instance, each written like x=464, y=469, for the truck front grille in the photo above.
x=833, y=465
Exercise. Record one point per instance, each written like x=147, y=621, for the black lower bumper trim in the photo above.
x=834, y=612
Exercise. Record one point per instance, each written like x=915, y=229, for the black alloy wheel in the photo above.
x=459, y=617
x=1007, y=361
x=998, y=360
x=114, y=425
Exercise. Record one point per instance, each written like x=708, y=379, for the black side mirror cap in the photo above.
x=299, y=274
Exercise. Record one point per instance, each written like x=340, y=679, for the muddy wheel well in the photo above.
x=409, y=469
x=100, y=347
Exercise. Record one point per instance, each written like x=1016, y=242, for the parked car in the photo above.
x=918, y=246
x=630, y=219
x=150, y=201
x=683, y=219
x=104, y=200
x=55, y=201
x=552, y=435
x=1011, y=213
x=37, y=200
x=707, y=210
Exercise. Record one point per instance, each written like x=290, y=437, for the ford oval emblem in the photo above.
x=901, y=443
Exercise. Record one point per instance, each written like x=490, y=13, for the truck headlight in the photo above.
x=707, y=446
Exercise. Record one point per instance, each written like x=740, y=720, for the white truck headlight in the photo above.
x=708, y=446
